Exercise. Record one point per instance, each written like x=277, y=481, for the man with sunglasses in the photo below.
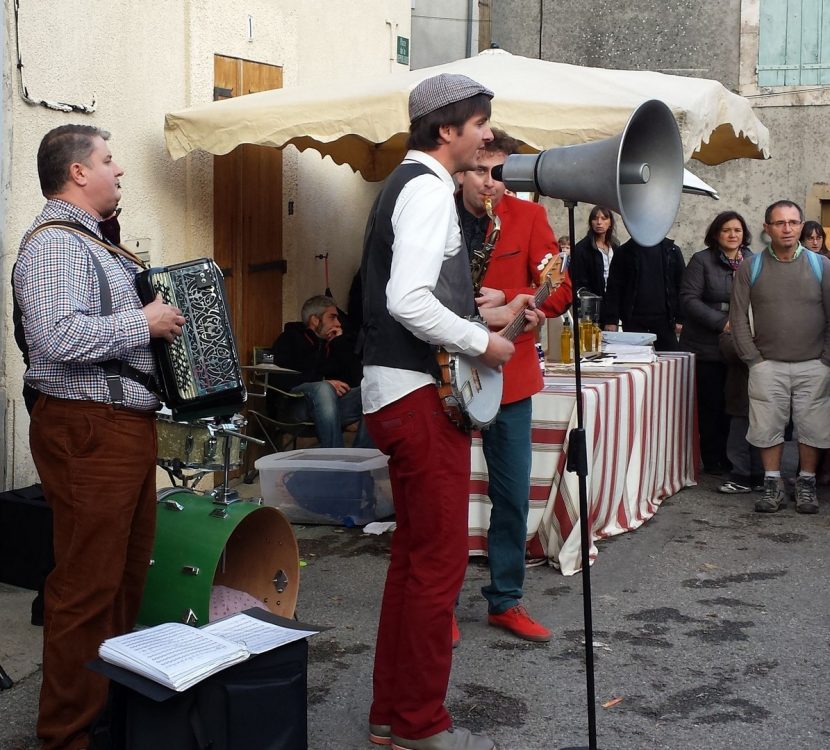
x=780, y=319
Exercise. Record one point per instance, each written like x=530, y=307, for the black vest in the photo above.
x=385, y=341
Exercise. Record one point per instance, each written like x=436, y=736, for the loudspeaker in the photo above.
x=26, y=556
x=637, y=173
x=257, y=704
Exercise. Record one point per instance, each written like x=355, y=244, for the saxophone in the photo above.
x=481, y=257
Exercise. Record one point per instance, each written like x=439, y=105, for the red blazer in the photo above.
x=525, y=238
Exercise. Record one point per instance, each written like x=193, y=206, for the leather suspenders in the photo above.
x=115, y=369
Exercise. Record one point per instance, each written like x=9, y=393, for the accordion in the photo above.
x=200, y=372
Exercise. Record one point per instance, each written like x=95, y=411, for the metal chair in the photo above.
x=284, y=418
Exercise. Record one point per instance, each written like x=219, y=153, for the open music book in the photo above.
x=179, y=656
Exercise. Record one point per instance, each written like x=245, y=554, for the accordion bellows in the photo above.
x=200, y=372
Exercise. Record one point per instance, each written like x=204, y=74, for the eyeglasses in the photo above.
x=792, y=224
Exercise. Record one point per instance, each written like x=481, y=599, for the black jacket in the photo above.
x=587, y=267
x=704, y=296
x=630, y=274
x=298, y=348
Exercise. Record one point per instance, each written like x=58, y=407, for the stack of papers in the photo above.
x=178, y=656
x=630, y=353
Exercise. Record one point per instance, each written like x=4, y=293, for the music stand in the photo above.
x=578, y=462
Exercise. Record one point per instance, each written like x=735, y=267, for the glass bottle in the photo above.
x=566, y=342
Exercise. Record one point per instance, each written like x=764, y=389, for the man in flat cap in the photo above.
x=417, y=292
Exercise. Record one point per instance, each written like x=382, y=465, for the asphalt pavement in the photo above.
x=710, y=628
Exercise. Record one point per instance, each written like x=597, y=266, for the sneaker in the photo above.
x=456, y=633
x=380, y=734
x=454, y=738
x=805, y=495
x=773, y=498
x=520, y=623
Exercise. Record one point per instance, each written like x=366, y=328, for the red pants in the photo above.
x=429, y=466
x=97, y=467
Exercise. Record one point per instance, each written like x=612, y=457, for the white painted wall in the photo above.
x=141, y=60
x=4, y=172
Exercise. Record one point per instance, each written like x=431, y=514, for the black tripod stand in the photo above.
x=578, y=463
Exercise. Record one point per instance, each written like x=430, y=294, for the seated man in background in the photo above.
x=329, y=372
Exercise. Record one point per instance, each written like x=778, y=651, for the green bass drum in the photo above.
x=201, y=544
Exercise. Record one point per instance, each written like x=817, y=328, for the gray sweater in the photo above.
x=791, y=311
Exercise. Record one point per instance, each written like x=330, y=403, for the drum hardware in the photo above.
x=171, y=504
x=280, y=581
x=223, y=494
x=191, y=570
x=209, y=453
x=189, y=618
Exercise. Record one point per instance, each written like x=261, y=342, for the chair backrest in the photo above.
x=262, y=355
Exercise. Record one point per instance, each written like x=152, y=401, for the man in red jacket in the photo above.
x=525, y=239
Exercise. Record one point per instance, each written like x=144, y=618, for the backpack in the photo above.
x=757, y=260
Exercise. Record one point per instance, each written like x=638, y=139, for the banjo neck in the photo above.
x=550, y=278
x=516, y=326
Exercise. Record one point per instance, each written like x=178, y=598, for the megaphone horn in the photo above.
x=637, y=173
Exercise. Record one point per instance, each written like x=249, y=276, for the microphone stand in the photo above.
x=578, y=462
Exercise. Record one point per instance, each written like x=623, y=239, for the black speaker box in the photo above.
x=26, y=555
x=258, y=704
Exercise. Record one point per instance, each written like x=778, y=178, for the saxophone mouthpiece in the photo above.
x=488, y=205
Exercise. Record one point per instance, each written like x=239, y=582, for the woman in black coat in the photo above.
x=704, y=300
x=591, y=256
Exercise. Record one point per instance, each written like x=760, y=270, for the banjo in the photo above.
x=470, y=391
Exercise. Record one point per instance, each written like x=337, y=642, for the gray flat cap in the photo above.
x=438, y=91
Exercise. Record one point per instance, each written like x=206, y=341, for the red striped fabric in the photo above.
x=640, y=423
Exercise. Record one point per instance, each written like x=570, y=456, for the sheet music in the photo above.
x=173, y=654
x=257, y=636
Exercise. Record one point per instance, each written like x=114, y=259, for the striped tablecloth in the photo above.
x=640, y=428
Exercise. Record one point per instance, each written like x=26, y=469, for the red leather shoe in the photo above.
x=456, y=633
x=520, y=623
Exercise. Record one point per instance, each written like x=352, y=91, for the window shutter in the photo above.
x=794, y=43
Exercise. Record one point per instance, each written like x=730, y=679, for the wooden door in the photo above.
x=247, y=216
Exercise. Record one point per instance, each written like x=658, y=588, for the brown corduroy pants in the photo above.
x=97, y=467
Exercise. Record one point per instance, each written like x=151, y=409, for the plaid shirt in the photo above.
x=58, y=292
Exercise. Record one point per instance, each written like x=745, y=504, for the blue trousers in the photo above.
x=507, y=450
x=331, y=413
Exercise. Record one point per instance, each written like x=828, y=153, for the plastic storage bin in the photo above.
x=336, y=486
